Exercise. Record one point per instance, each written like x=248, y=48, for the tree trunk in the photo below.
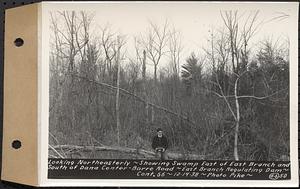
x=144, y=66
x=152, y=114
x=147, y=111
x=155, y=73
x=232, y=53
x=117, y=98
x=236, y=131
x=144, y=87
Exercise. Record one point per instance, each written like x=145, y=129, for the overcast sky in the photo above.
x=192, y=19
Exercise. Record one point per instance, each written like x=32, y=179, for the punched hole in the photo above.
x=16, y=144
x=19, y=42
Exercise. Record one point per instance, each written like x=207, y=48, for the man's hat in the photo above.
x=158, y=129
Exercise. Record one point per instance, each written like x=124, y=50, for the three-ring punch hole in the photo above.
x=16, y=144
x=19, y=42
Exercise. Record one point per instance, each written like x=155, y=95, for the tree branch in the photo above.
x=52, y=148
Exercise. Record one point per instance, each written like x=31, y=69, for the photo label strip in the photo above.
x=176, y=169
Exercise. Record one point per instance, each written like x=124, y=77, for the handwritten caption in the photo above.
x=177, y=169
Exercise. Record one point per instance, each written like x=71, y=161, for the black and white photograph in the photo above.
x=142, y=81
x=170, y=81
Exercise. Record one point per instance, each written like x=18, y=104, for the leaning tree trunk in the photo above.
x=236, y=131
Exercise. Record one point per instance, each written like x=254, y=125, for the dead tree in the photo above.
x=141, y=56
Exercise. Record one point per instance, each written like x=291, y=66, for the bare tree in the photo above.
x=108, y=42
x=155, y=43
x=71, y=37
x=238, y=43
x=175, y=48
x=118, y=58
x=230, y=19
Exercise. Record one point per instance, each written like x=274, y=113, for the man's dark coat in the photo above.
x=160, y=142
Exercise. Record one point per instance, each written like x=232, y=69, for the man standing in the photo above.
x=160, y=144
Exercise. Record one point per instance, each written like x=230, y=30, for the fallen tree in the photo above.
x=124, y=91
x=69, y=149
